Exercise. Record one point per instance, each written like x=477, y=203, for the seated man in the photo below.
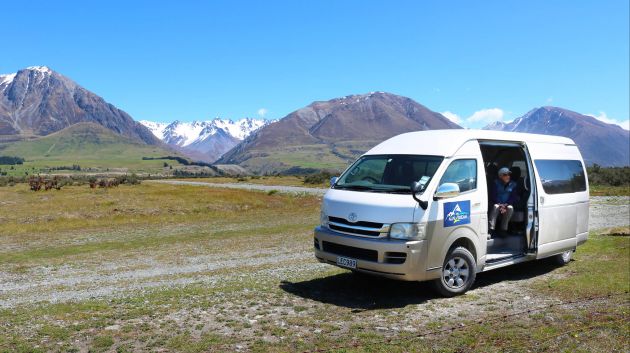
x=503, y=195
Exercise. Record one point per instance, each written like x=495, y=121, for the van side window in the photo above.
x=462, y=172
x=561, y=176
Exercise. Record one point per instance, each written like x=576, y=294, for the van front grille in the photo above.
x=361, y=228
x=350, y=251
x=358, y=224
x=354, y=230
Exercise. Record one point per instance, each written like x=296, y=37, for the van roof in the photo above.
x=447, y=142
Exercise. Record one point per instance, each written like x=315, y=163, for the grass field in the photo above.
x=607, y=190
x=334, y=157
x=158, y=267
x=89, y=145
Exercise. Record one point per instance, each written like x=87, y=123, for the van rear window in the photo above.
x=561, y=176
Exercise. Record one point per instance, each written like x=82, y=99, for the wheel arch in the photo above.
x=466, y=238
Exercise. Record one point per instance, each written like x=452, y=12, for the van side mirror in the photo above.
x=446, y=190
x=333, y=181
x=417, y=187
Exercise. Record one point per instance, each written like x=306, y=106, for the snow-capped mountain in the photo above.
x=207, y=140
x=37, y=101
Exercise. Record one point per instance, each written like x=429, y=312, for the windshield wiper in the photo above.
x=401, y=190
x=355, y=187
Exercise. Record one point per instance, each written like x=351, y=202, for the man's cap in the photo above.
x=504, y=170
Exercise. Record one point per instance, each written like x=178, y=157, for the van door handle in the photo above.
x=477, y=204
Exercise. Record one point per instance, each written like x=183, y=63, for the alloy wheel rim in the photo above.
x=566, y=256
x=456, y=273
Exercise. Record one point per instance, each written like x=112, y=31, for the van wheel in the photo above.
x=458, y=273
x=564, y=258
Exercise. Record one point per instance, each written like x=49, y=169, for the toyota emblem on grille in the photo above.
x=352, y=217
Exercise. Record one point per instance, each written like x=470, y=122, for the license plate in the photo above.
x=346, y=262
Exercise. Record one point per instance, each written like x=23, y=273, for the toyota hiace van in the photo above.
x=416, y=206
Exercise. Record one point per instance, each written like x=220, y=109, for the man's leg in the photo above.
x=494, y=213
x=506, y=217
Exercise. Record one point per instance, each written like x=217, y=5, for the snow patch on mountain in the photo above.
x=6, y=79
x=42, y=69
x=183, y=134
x=155, y=127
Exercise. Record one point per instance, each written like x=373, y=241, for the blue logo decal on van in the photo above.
x=456, y=213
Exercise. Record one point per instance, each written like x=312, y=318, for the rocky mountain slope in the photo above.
x=601, y=143
x=205, y=140
x=38, y=101
x=329, y=134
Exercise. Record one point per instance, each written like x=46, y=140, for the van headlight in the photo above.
x=323, y=218
x=407, y=231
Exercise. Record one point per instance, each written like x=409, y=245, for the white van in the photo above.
x=416, y=207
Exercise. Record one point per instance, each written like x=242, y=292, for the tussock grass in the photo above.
x=292, y=304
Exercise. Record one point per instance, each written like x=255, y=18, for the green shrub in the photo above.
x=613, y=176
x=318, y=178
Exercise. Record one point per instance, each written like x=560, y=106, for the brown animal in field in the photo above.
x=35, y=183
x=56, y=183
x=93, y=184
x=52, y=184
x=105, y=183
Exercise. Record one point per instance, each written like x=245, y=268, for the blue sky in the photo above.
x=192, y=60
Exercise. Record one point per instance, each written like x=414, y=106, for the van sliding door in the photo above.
x=561, y=183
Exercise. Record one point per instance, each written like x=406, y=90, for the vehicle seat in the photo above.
x=519, y=207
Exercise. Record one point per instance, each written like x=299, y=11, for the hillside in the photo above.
x=38, y=101
x=330, y=134
x=601, y=143
x=89, y=145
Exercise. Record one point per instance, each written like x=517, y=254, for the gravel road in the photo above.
x=279, y=188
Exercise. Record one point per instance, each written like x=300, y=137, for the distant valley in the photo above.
x=205, y=140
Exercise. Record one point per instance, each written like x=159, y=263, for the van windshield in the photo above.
x=389, y=173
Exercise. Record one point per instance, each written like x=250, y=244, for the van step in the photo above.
x=507, y=244
x=499, y=257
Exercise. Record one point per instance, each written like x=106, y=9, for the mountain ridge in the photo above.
x=599, y=142
x=37, y=101
x=332, y=133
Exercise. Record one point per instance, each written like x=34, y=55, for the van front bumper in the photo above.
x=377, y=256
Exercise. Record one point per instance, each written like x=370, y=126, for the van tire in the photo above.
x=564, y=258
x=458, y=273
